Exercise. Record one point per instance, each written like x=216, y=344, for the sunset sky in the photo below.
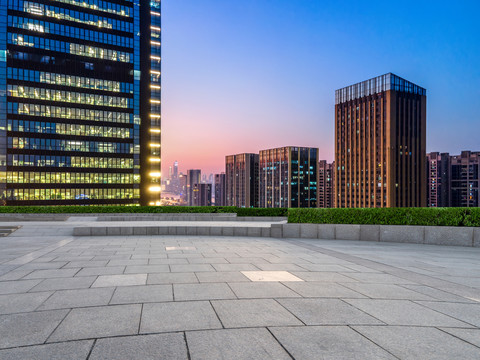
x=242, y=76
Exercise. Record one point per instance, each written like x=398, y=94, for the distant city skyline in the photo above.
x=244, y=77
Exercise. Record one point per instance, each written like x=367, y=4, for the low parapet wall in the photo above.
x=433, y=235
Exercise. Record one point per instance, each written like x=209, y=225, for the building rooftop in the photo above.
x=375, y=85
x=184, y=297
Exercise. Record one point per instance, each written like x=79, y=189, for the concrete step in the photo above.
x=257, y=231
x=7, y=230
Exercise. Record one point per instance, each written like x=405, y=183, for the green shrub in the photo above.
x=141, y=209
x=388, y=216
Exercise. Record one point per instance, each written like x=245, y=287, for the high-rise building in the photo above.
x=465, y=179
x=201, y=195
x=326, y=174
x=193, y=177
x=288, y=177
x=80, y=102
x=438, y=179
x=380, y=133
x=220, y=199
x=241, y=180
x=175, y=169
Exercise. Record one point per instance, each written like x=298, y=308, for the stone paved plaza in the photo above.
x=181, y=297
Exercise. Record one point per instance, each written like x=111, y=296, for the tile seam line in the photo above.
x=215, y=329
x=373, y=342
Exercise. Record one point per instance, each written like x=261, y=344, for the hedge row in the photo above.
x=388, y=216
x=141, y=209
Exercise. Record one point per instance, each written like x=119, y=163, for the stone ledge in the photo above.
x=429, y=235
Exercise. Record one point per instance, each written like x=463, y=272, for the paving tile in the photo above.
x=15, y=275
x=327, y=342
x=270, y=276
x=404, y=312
x=72, y=350
x=261, y=289
x=437, y=294
x=386, y=291
x=470, y=313
x=205, y=291
x=411, y=343
x=52, y=273
x=105, y=270
x=277, y=267
x=324, y=276
x=29, y=328
x=127, y=262
x=19, y=286
x=82, y=282
x=95, y=322
x=178, y=316
x=15, y=303
x=146, y=269
x=191, y=268
x=379, y=278
x=142, y=294
x=147, y=347
x=207, y=261
x=326, y=267
x=43, y=266
x=469, y=335
x=120, y=280
x=250, y=313
x=327, y=312
x=230, y=276
x=234, y=267
x=168, y=261
x=172, y=278
x=85, y=264
x=65, y=299
x=322, y=289
x=243, y=344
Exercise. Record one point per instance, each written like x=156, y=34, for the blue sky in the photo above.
x=241, y=76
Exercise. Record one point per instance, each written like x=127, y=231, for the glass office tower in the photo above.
x=80, y=102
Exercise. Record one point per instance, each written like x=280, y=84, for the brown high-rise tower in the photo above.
x=380, y=131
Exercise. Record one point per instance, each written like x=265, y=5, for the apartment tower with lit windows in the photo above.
x=288, y=177
x=380, y=136
x=80, y=102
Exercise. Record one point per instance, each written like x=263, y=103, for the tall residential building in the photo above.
x=465, y=178
x=175, y=169
x=326, y=174
x=201, y=195
x=241, y=180
x=288, y=177
x=193, y=177
x=220, y=198
x=438, y=179
x=380, y=133
x=80, y=102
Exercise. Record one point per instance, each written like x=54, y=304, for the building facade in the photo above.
x=288, y=177
x=220, y=190
x=438, y=179
x=202, y=195
x=241, y=180
x=193, y=177
x=465, y=179
x=380, y=136
x=80, y=102
x=326, y=180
